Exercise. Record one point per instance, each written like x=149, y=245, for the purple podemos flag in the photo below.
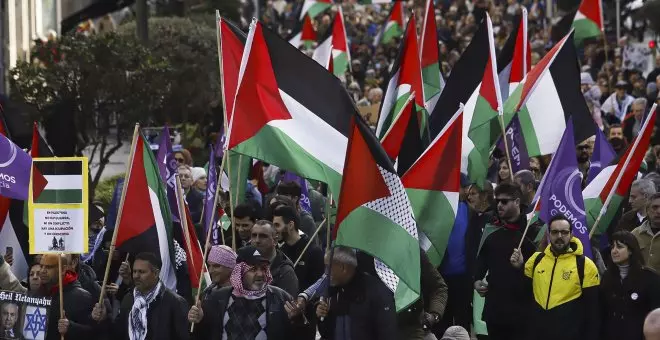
x=304, y=192
x=562, y=193
x=209, y=198
x=167, y=166
x=516, y=143
x=602, y=157
x=15, y=166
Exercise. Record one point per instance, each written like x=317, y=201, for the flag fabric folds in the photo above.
x=588, y=21
x=602, y=156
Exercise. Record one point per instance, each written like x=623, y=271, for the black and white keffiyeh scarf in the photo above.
x=137, y=318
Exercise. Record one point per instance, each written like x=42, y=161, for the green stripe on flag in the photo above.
x=585, y=28
x=398, y=105
x=340, y=64
x=63, y=196
x=592, y=207
x=432, y=81
x=392, y=31
x=529, y=133
x=317, y=8
x=483, y=136
x=435, y=218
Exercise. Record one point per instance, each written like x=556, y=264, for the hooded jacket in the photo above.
x=311, y=266
x=560, y=300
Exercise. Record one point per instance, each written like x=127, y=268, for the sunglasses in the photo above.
x=562, y=232
x=583, y=147
x=179, y=160
x=504, y=201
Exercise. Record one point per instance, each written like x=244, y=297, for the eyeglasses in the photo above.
x=179, y=160
x=504, y=201
x=562, y=232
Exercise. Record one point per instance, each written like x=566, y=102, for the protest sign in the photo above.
x=58, y=216
x=23, y=316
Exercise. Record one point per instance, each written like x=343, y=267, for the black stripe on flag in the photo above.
x=412, y=146
x=565, y=72
x=309, y=83
x=59, y=167
x=463, y=80
x=242, y=36
x=505, y=57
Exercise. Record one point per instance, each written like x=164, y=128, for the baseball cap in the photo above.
x=250, y=255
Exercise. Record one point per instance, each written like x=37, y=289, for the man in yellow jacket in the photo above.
x=565, y=287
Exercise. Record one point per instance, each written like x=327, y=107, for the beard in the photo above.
x=560, y=248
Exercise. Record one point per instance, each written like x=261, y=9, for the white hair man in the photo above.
x=640, y=192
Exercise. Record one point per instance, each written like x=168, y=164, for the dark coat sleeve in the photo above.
x=316, y=266
x=434, y=287
x=79, y=313
x=287, y=280
x=593, y=313
x=179, y=317
x=384, y=313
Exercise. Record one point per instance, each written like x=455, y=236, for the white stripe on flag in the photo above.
x=62, y=182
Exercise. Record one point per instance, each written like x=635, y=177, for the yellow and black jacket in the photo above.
x=566, y=300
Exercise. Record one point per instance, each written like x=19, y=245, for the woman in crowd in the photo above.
x=503, y=173
x=628, y=291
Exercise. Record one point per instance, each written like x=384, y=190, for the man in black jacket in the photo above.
x=264, y=239
x=76, y=323
x=249, y=309
x=150, y=311
x=360, y=306
x=507, y=294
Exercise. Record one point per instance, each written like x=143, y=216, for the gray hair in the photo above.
x=640, y=101
x=344, y=255
x=645, y=186
x=526, y=177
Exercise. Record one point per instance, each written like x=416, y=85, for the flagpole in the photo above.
x=59, y=280
x=527, y=226
x=603, y=210
x=311, y=239
x=119, y=213
x=328, y=230
x=506, y=144
x=208, y=231
x=232, y=204
x=183, y=218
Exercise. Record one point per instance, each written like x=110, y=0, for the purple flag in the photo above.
x=304, y=192
x=209, y=199
x=15, y=166
x=602, y=157
x=563, y=193
x=169, y=167
x=220, y=144
x=516, y=143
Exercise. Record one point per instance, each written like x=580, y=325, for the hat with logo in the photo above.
x=251, y=256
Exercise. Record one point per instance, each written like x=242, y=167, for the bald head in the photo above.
x=652, y=325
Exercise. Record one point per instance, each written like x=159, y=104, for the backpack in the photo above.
x=578, y=259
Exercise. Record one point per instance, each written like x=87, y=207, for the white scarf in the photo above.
x=137, y=318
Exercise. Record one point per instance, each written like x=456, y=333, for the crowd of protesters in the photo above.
x=275, y=286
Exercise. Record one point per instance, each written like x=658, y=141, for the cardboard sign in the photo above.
x=23, y=316
x=58, y=216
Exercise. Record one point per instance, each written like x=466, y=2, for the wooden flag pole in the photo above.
x=311, y=239
x=328, y=235
x=59, y=280
x=183, y=218
x=119, y=213
x=528, y=224
x=506, y=145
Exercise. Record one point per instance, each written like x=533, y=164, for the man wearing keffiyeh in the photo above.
x=151, y=311
x=250, y=309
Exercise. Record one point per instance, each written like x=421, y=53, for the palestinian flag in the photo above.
x=463, y=83
x=402, y=141
x=433, y=185
x=314, y=7
x=231, y=41
x=393, y=27
x=405, y=78
x=145, y=223
x=305, y=35
x=372, y=195
x=515, y=58
x=194, y=255
x=64, y=182
x=484, y=127
x=430, y=56
x=604, y=195
x=333, y=48
x=588, y=22
x=549, y=95
x=282, y=120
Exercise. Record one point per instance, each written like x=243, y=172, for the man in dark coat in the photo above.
x=76, y=323
x=150, y=311
x=265, y=240
x=360, y=306
x=249, y=309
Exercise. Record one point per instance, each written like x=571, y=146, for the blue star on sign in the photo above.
x=36, y=322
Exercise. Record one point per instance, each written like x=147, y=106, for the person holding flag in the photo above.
x=564, y=283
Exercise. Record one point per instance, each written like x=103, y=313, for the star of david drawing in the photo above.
x=36, y=322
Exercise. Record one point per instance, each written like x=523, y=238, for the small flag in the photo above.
x=516, y=143
x=209, y=198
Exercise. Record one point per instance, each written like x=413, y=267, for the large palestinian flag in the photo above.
x=145, y=223
x=430, y=57
x=549, y=95
x=433, y=185
x=588, y=22
x=333, y=48
x=393, y=26
x=605, y=193
x=515, y=58
x=314, y=7
x=405, y=78
x=484, y=127
x=372, y=196
x=280, y=119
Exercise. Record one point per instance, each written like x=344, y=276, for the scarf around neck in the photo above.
x=137, y=318
x=236, y=280
x=68, y=278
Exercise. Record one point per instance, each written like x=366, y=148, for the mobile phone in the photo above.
x=9, y=251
